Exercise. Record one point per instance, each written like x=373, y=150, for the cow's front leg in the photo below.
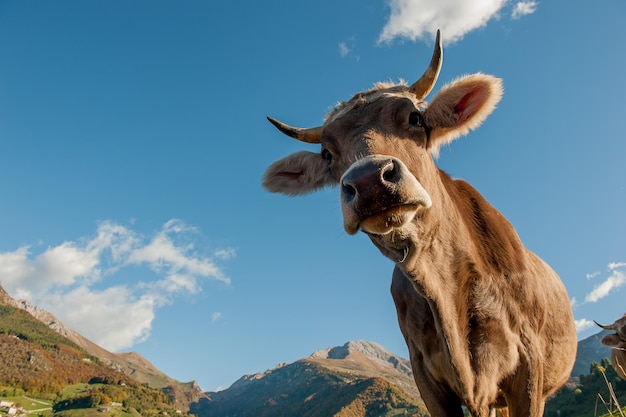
x=440, y=400
x=527, y=402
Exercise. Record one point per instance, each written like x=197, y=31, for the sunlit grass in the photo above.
x=612, y=406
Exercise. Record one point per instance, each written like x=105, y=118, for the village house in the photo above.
x=10, y=408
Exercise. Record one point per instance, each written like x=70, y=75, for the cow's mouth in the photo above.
x=381, y=222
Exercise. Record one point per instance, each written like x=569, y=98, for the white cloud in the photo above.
x=216, y=316
x=58, y=266
x=70, y=279
x=523, y=8
x=583, y=324
x=613, y=282
x=420, y=19
x=114, y=318
x=64, y=264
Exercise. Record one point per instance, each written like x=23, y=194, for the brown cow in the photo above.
x=617, y=343
x=485, y=320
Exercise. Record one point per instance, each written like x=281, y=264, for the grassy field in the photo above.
x=33, y=406
x=41, y=407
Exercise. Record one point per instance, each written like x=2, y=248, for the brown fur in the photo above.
x=486, y=321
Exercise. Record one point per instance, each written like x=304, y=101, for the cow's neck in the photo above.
x=430, y=249
x=423, y=254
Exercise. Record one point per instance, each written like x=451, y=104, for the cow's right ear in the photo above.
x=297, y=174
x=612, y=340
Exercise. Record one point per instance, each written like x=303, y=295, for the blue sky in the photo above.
x=133, y=139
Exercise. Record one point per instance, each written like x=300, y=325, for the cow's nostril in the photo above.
x=389, y=172
x=348, y=191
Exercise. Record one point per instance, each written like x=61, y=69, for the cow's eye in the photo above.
x=416, y=119
x=326, y=155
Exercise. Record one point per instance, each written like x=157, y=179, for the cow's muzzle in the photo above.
x=379, y=194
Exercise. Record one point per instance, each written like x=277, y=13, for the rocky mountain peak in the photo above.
x=45, y=317
x=370, y=350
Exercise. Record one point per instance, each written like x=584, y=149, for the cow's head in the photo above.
x=617, y=339
x=378, y=147
x=617, y=342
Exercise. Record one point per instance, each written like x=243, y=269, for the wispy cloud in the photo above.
x=616, y=280
x=420, y=19
x=225, y=254
x=616, y=265
x=343, y=49
x=71, y=279
x=216, y=316
x=523, y=8
x=347, y=49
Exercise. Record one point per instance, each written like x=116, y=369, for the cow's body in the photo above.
x=617, y=342
x=485, y=320
x=485, y=326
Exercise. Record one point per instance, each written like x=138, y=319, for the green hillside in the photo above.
x=19, y=323
x=37, y=363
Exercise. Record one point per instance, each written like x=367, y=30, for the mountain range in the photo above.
x=360, y=378
x=357, y=379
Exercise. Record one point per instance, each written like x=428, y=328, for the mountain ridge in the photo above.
x=359, y=378
x=590, y=350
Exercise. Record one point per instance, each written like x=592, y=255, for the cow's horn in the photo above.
x=425, y=84
x=310, y=135
x=605, y=327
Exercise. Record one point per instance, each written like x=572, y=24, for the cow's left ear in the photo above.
x=297, y=174
x=461, y=106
